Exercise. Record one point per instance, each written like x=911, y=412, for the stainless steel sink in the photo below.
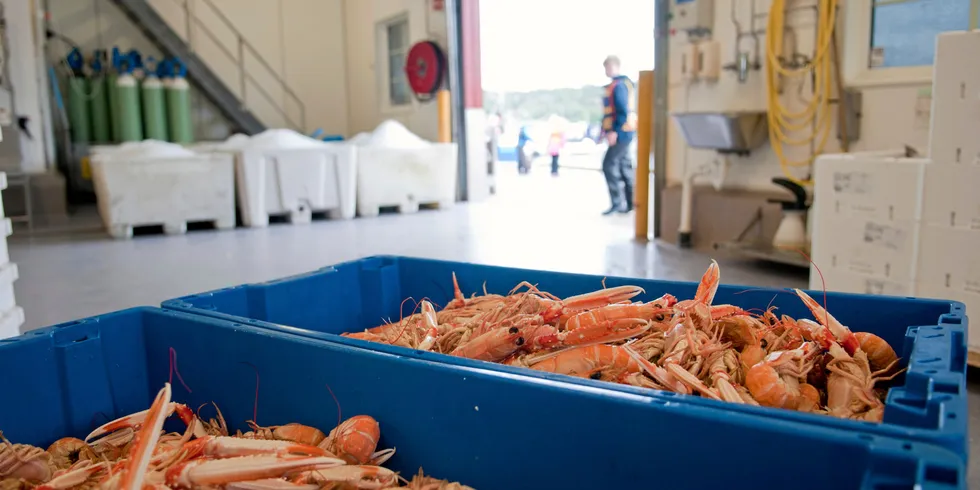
x=726, y=132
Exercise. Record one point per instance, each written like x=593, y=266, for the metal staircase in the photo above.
x=203, y=78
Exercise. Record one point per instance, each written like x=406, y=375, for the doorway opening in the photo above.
x=543, y=86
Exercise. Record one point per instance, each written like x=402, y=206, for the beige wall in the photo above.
x=364, y=82
x=891, y=115
x=308, y=54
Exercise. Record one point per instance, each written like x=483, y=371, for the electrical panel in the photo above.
x=695, y=16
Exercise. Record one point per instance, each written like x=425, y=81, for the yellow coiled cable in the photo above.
x=817, y=110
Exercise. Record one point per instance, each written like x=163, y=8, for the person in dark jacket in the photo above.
x=523, y=159
x=619, y=128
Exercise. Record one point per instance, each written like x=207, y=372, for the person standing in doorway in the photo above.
x=619, y=127
x=555, y=143
x=523, y=159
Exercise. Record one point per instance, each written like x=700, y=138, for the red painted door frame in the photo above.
x=469, y=30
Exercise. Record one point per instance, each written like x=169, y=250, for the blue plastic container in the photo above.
x=927, y=404
x=484, y=428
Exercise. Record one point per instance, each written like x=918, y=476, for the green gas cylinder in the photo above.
x=99, y=110
x=98, y=104
x=129, y=113
x=78, y=117
x=154, y=108
x=78, y=95
x=113, y=95
x=179, y=110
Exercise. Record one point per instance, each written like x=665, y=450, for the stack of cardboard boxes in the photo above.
x=887, y=224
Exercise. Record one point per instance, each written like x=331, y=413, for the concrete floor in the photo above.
x=535, y=221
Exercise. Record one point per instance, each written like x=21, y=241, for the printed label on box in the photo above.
x=852, y=183
x=886, y=236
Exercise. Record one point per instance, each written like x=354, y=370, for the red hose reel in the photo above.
x=424, y=68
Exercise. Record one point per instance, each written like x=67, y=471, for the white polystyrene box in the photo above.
x=10, y=322
x=949, y=196
x=3, y=185
x=135, y=190
x=850, y=282
x=955, y=99
x=405, y=177
x=6, y=229
x=950, y=257
x=8, y=274
x=971, y=300
x=885, y=250
x=297, y=182
x=868, y=186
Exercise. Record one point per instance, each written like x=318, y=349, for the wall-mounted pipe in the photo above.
x=741, y=63
x=687, y=195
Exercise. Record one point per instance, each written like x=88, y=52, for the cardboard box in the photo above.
x=868, y=186
x=955, y=99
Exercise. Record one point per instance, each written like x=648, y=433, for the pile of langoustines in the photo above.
x=133, y=453
x=692, y=346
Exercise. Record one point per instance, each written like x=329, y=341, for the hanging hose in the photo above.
x=816, y=113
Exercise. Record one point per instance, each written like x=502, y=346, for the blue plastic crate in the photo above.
x=928, y=403
x=485, y=428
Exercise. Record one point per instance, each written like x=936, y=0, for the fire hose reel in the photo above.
x=424, y=69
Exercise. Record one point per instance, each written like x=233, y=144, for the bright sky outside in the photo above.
x=543, y=44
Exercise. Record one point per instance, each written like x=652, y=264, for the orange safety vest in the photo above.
x=610, y=109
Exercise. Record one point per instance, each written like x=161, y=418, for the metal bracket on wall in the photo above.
x=850, y=122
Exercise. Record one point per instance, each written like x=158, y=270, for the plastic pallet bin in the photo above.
x=927, y=404
x=163, y=191
x=405, y=178
x=487, y=429
x=295, y=182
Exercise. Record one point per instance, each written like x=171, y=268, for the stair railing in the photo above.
x=191, y=20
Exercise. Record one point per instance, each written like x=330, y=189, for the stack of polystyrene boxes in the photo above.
x=11, y=315
x=949, y=256
x=865, y=222
x=902, y=226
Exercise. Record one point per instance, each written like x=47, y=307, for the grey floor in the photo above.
x=535, y=221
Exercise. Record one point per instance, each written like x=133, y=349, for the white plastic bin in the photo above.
x=405, y=177
x=295, y=182
x=169, y=191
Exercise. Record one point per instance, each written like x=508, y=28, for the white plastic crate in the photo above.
x=405, y=178
x=168, y=191
x=296, y=183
